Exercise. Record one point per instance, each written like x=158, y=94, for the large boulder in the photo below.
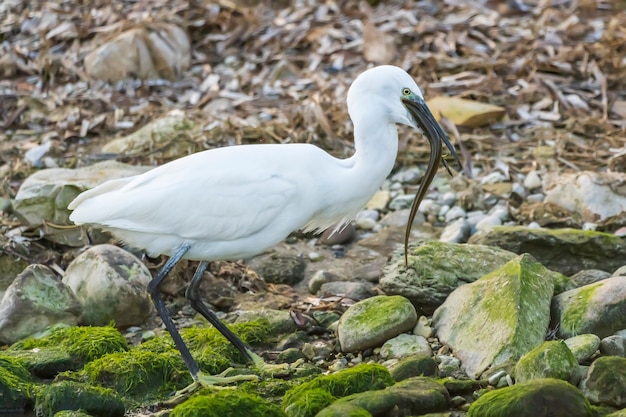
x=498, y=318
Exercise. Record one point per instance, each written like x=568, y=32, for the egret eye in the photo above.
x=406, y=92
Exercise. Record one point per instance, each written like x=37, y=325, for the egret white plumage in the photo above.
x=235, y=202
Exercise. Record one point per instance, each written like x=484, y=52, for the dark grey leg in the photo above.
x=201, y=307
x=155, y=293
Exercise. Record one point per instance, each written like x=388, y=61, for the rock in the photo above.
x=36, y=300
x=170, y=134
x=317, y=350
x=465, y=112
x=488, y=222
x=599, y=197
x=310, y=397
x=280, y=321
x=589, y=276
x=620, y=272
x=595, y=308
x=583, y=346
x=414, y=366
x=532, y=180
x=321, y=277
x=385, y=241
x=606, y=381
x=373, y=321
x=536, y=398
x=226, y=403
x=69, y=395
x=565, y=250
x=436, y=269
x=409, y=397
x=10, y=267
x=151, y=51
x=548, y=360
x=379, y=201
x=400, y=218
x=403, y=201
x=16, y=384
x=498, y=318
x=43, y=198
x=448, y=365
x=454, y=213
x=348, y=289
x=456, y=232
x=342, y=236
x=111, y=285
x=283, y=269
x=405, y=345
x=422, y=328
x=613, y=346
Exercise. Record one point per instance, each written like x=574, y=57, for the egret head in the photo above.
x=393, y=92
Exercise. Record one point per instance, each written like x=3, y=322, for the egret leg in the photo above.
x=198, y=377
x=202, y=308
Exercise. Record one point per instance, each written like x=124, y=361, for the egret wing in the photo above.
x=219, y=205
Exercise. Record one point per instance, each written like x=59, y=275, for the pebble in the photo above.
x=488, y=223
x=315, y=256
x=321, y=277
x=422, y=328
x=448, y=365
x=448, y=198
x=613, y=346
x=456, y=232
x=430, y=206
x=402, y=201
x=368, y=214
x=379, y=201
x=365, y=223
x=348, y=289
x=407, y=176
x=518, y=189
x=536, y=198
x=589, y=226
x=532, y=180
x=454, y=213
x=493, y=379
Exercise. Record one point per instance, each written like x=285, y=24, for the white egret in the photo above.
x=236, y=202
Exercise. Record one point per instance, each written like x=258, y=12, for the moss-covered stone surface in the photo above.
x=498, y=318
x=536, y=398
x=435, y=269
x=69, y=395
x=307, y=399
x=549, y=360
x=227, y=403
x=564, y=250
x=606, y=381
x=16, y=385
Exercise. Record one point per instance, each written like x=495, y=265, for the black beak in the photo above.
x=435, y=135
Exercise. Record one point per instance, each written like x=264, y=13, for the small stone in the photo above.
x=332, y=237
x=379, y=201
x=368, y=214
x=321, y=277
x=405, y=345
x=414, y=366
x=589, y=276
x=365, y=223
x=583, y=346
x=283, y=269
x=407, y=176
x=620, y=272
x=448, y=365
x=456, y=232
x=422, y=328
x=448, y=198
x=613, y=346
x=454, y=213
x=536, y=198
x=318, y=349
x=488, y=223
x=315, y=256
x=403, y=201
x=493, y=379
x=430, y=206
x=347, y=289
x=289, y=355
x=532, y=180
x=589, y=226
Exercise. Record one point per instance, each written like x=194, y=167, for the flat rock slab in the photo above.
x=567, y=251
x=596, y=308
x=498, y=318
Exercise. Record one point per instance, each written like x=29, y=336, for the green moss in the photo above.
x=139, y=374
x=539, y=397
x=574, y=311
x=549, y=360
x=462, y=386
x=45, y=362
x=344, y=410
x=72, y=413
x=227, y=403
x=84, y=343
x=365, y=377
x=414, y=366
x=15, y=384
x=68, y=395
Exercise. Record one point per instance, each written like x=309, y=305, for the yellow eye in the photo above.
x=406, y=92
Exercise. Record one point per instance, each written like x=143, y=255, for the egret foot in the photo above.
x=273, y=370
x=208, y=381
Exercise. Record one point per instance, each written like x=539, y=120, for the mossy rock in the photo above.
x=536, y=398
x=606, y=381
x=72, y=413
x=549, y=360
x=412, y=396
x=463, y=386
x=45, y=362
x=68, y=395
x=138, y=374
x=311, y=397
x=227, y=403
x=15, y=385
x=83, y=343
x=414, y=366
